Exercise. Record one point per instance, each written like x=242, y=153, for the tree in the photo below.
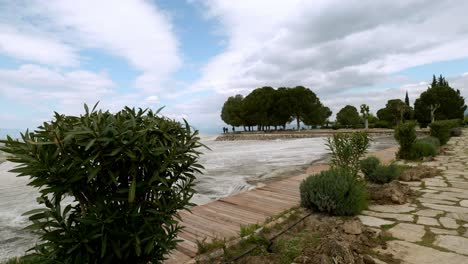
x=128, y=175
x=231, y=113
x=348, y=116
x=365, y=115
x=393, y=112
x=303, y=102
x=441, y=100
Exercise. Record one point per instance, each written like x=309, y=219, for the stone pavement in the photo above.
x=433, y=228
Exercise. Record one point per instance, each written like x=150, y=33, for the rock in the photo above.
x=393, y=192
x=399, y=217
x=429, y=212
x=448, y=222
x=373, y=221
x=368, y=259
x=415, y=254
x=440, y=231
x=352, y=227
x=464, y=203
x=417, y=173
x=455, y=132
x=453, y=243
x=408, y=232
x=404, y=208
x=422, y=220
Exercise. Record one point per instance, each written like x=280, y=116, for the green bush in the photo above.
x=384, y=174
x=431, y=140
x=382, y=124
x=441, y=129
x=369, y=165
x=336, y=191
x=347, y=148
x=129, y=174
x=421, y=149
x=405, y=134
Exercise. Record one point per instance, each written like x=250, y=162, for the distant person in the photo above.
x=233, y=130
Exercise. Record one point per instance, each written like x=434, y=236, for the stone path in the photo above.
x=434, y=228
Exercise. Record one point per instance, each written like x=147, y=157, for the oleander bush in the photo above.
x=441, y=129
x=336, y=191
x=384, y=174
x=128, y=174
x=405, y=134
x=347, y=148
x=369, y=165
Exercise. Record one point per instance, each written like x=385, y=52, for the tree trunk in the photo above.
x=297, y=120
x=366, y=123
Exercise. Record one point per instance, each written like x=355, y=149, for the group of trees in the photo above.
x=266, y=107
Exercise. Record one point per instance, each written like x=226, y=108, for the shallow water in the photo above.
x=230, y=167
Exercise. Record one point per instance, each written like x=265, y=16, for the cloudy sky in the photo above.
x=189, y=56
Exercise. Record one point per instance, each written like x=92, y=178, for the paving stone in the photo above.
x=448, y=222
x=408, y=232
x=415, y=254
x=442, y=196
x=404, y=208
x=460, y=185
x=399, y=217
x=440, y=231
x=412, y=183
x=434, y=182
x=422, y=220
x=464, y=203
x=453, y=243
x=428, y=191
x=373, y=221
x=428, y=212
x=447, y=208
x=458, y=216
x=435, y=201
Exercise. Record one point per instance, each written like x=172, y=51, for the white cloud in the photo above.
x=134, y=30
x=329, y=46
x=35, y=48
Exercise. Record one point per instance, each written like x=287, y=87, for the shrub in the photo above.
x=421, y=149
x=383, y=124
x=384, y=174
x=369, y=165
x=129, y=173
x=441, y=129
x=336, y=191
x=347, y=148
x=405, y=134
x=431, y=140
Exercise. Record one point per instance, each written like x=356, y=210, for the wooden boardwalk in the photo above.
x=223, y=218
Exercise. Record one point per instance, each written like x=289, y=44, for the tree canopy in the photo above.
x=265, y=107
x=446, y=101
x=348, y=116
x=394, y=111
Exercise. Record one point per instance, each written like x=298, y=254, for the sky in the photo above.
x=189, y=56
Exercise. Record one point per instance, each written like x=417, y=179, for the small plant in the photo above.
x=215, y=243
x=405, y=134
x=336, y=191
x=246, y=230
x=369, y=165
x=421, y=149
x=347, y=148
x=441, y=129
x=431, y=140
x=384, y=174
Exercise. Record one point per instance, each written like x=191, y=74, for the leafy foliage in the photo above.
x=266, y=106
x=441, y=129
x=384, y=174
x=431, y=140
x=405, y=134
x=336, y=191
x=421, y=149
x=348, y=116
x=451, y=103
x=394, y=112
x=347, y=148
x=128, y=174
x=369, y=165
